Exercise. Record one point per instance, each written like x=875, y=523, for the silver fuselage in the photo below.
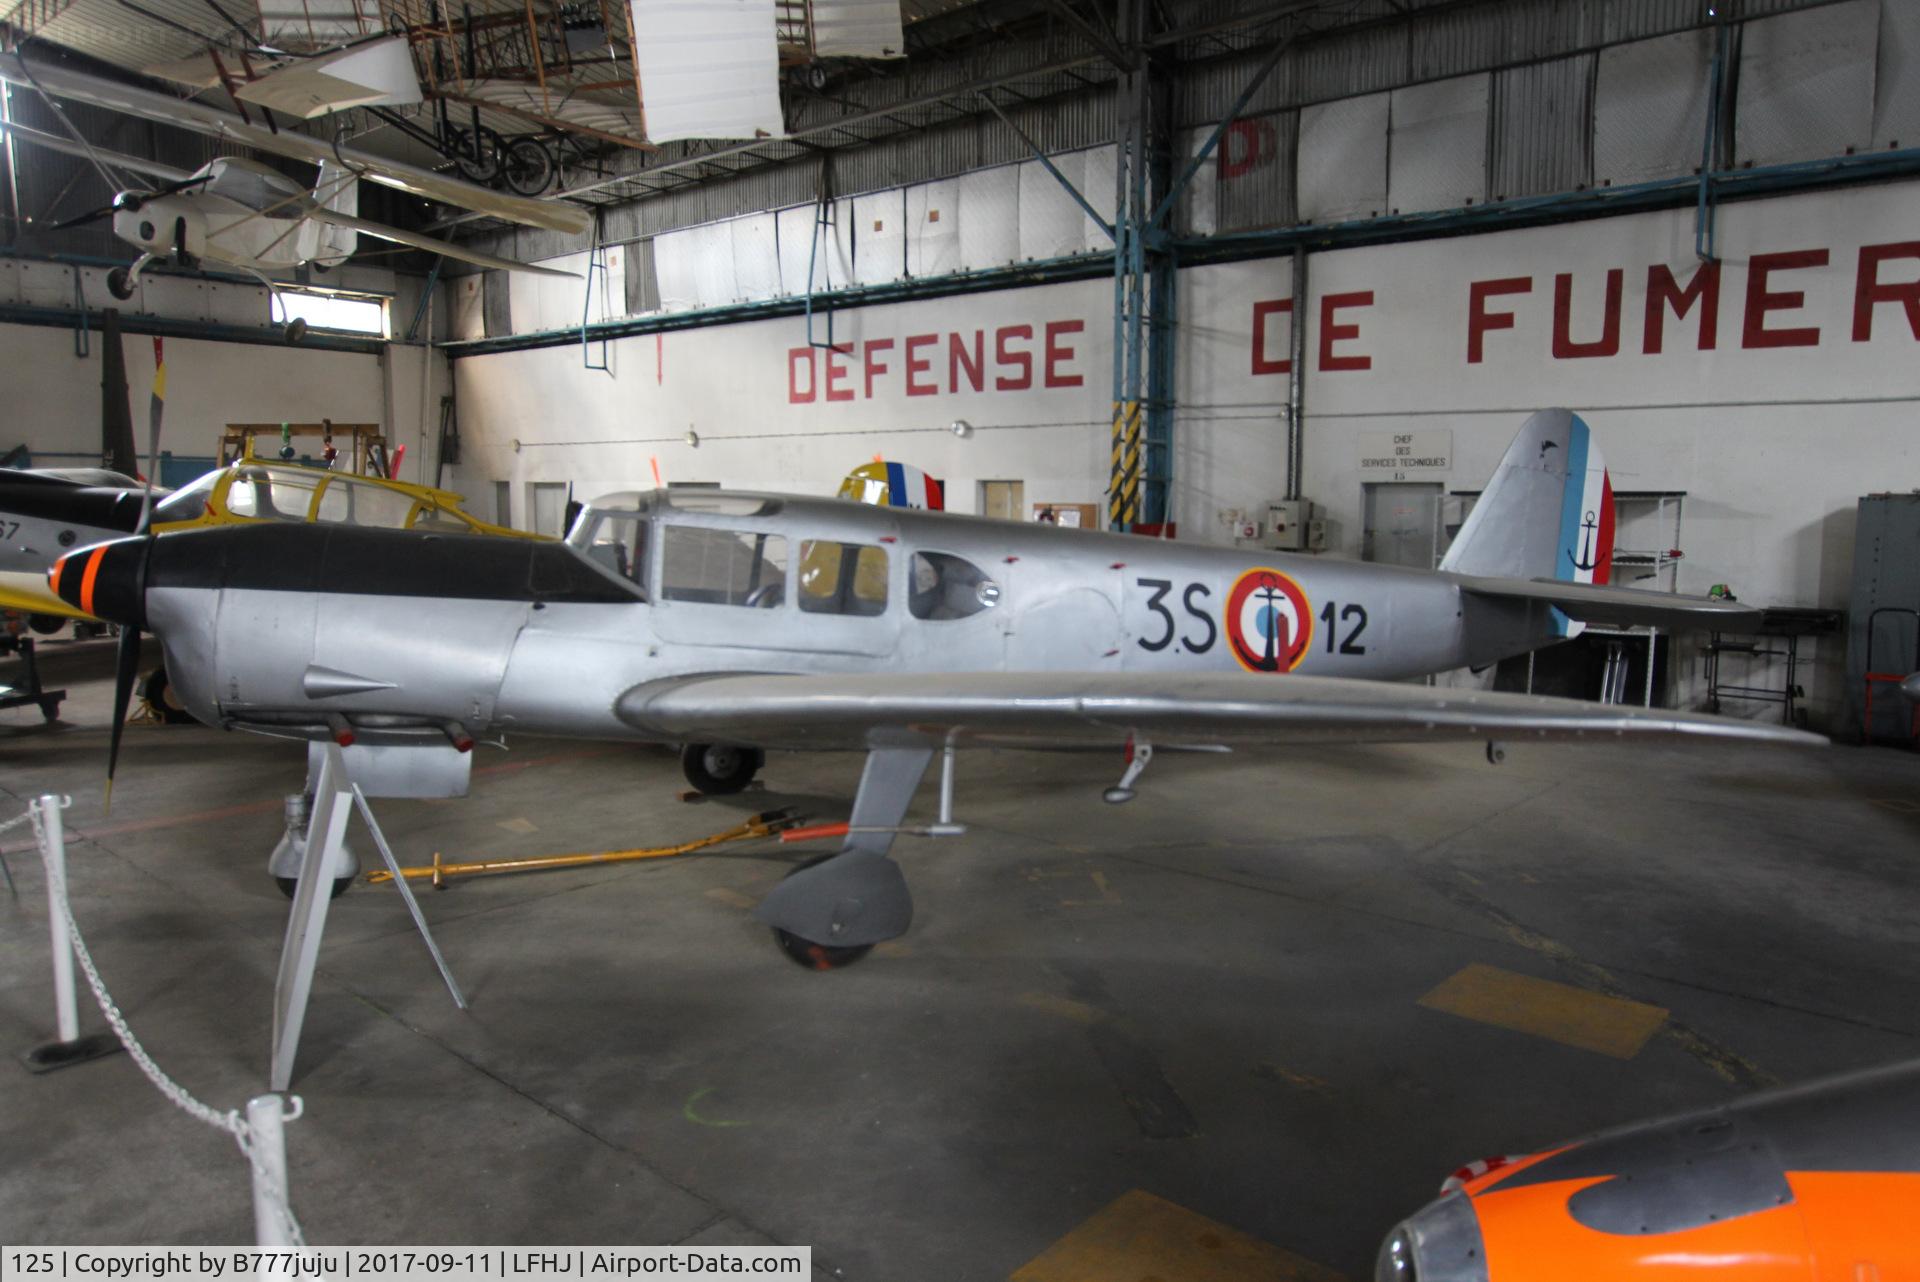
x=1062, y=600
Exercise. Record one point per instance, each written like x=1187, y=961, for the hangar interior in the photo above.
x=1278, y=281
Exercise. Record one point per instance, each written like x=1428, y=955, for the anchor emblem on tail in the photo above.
x=1585, y=560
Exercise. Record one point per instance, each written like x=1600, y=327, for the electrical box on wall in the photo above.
x=1295, y=525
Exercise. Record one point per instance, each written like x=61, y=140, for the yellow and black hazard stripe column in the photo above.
x=1123, y=490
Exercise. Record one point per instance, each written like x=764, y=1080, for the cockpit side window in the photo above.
x=843, y=578
x=616, y=542
x=723, y=567
x=943, y=586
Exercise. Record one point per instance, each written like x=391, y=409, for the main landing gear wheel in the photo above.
x=120, y=283
x=296, y=329
x=720, y=769
x=157, y=691
x=289, y=885
x=804, y=952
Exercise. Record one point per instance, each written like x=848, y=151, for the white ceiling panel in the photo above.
x=708, y=68
x=879, y=238
x=1806, y=84
x=989, y=217
x=1438, y=158
x=1343, y=159
x=933, y=228
x=1896, y=108
x=858, y=29
x=1650, y=109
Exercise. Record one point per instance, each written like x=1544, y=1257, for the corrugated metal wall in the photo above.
x=1542, y=128
x=1522, y=126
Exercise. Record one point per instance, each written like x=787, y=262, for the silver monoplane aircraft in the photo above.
x=736, y=622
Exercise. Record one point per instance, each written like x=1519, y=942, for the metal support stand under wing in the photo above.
x=335, y=794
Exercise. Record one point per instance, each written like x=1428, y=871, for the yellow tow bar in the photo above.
x=765, y=824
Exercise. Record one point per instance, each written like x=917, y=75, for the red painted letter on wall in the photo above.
x=917, y=365
x=1058, y=352
x=837, y=371
x=1608, y=344
x=1761, y=300
x=1870, y=290
x=1262, y=363
x=1664, y=292
x=1331, y=333
x=873, y=367
x=960, y=357
x=797, y=359
x=1006, y=356
x=1480, y=320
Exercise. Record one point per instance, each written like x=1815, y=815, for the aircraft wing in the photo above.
x=431, y=244
x=1069, y=710
x=1623, y=607
x=62, y=82
x=113, y=159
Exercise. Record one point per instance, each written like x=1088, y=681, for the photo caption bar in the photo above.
x=398, y=1263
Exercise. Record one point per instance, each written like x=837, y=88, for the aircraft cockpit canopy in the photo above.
x=612, y=534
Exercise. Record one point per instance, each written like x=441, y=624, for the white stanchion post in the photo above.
x=267, y=1151
x=65, y=1008
x=69, y=1047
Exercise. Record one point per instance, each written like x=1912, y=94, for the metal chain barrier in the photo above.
x=231, y=1121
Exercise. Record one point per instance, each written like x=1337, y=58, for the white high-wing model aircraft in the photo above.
x=242, y=214
x=731, y=623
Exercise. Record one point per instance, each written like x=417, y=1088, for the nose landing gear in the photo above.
x=720, y=769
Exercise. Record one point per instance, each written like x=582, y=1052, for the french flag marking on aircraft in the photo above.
x=1584, y=551
x=910, y=487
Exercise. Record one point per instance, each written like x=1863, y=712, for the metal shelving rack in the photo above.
x=1661, y=564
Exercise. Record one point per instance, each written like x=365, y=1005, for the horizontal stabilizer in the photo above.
x=1622, y=607
x=1068, y=710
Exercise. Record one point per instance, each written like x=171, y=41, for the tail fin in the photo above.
x=1548, y=511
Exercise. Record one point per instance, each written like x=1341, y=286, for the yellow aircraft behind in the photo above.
x=41, y=520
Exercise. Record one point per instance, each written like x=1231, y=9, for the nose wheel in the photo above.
x=805, y=952
x=720, y=769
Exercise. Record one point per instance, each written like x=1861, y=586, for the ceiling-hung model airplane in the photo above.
x=756, y=621
x=1815, y=1183
x=52, y=79
x=240, y=213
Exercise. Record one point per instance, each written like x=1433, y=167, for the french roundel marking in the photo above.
x=1269, y=623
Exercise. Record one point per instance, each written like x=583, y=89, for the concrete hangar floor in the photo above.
x=1283, y=993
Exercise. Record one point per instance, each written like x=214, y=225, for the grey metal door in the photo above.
x=1402, y=524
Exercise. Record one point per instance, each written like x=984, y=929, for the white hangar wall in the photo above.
x=53, y=396
x=1784, y=390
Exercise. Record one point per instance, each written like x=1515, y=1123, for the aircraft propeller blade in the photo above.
x=91, y=216
x=127, y=660
x=126, y=669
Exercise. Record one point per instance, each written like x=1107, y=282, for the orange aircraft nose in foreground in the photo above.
x=1817, y=1183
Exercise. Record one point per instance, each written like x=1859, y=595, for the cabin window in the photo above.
x=351, y=503
x=723, y=567
x=843, y=578
x=943, y=586
x=287, y=496
x=617, y=544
